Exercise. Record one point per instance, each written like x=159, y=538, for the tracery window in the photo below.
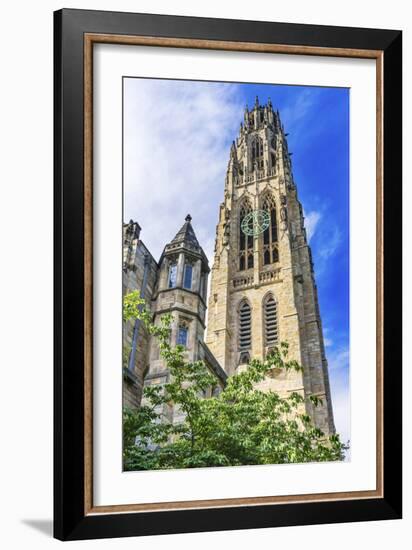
x=245, y=327
x=270, y=235
x=245, y=241
x=257, y=151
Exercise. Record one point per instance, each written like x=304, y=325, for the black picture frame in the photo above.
x=70, y=520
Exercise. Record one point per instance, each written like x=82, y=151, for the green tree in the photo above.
x=241, y=425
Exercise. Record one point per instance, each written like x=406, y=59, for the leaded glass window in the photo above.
x=187, y=280
x=182, y=336
x=172, y=275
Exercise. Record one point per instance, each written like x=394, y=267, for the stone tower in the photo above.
x=181, y=291
x=263, y=288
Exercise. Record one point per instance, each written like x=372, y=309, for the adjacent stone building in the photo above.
x=139, y=273
x=177, y=285
x=263, y=288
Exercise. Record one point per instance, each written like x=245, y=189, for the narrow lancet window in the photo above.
x=257, y=152
x=270, y=311
x=187, y=282
x=245, y=241
x=182, y=336
x=245, y=327
x=270, y=235
x=273, y=162
x=172, y=275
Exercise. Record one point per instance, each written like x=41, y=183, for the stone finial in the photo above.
x=188, y=218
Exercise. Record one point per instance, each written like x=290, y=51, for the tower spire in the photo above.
x=186, y=235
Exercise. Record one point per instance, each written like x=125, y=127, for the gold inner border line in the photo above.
x=89, y=40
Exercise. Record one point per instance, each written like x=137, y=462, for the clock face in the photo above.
x=255, y=222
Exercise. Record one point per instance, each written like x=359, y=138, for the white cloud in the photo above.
x=339, y=359
x=327, y=340
x=330, y=243
x=177, y=136
x=328, y=240
x=293, y=115
x=311, y=221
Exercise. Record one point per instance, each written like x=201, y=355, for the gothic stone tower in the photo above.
x=181, y=291
x=263, y=288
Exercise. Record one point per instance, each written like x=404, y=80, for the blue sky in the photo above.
x=177, y=136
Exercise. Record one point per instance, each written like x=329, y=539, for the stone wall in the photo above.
x=136, y=261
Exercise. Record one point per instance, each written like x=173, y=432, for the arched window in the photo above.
x=270, y=235
x=245, y=241
x=270, y=316
x=257, y=150
x=245, y=327
x=272, y=161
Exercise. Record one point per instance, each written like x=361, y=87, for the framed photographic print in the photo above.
x=227, y=274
